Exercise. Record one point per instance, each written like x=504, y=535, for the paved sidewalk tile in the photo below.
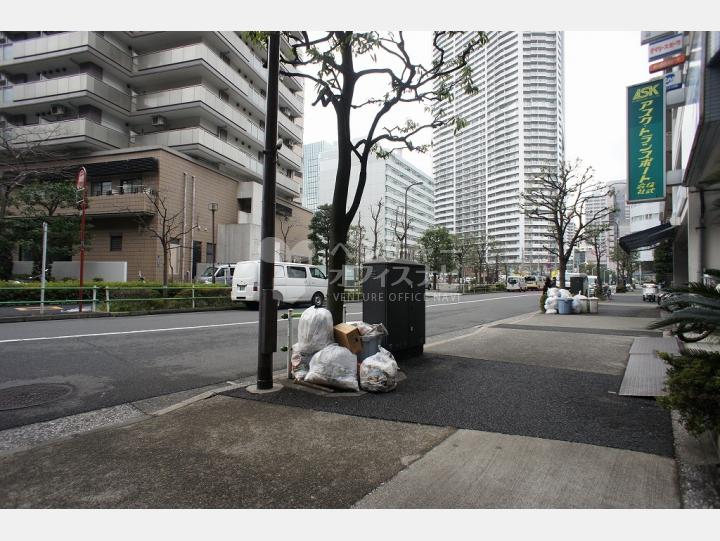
x=644, y=376
x=219, y=453
x=485, y=470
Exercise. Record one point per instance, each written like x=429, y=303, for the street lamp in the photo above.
x=405, y=232
x=212, y=207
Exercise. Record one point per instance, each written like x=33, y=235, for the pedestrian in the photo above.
x=553, y=282
x=141, y=278
x=547, y=285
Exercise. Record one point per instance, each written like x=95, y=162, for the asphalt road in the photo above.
x=110, y=361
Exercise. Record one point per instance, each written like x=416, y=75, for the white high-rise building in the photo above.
x=388, y=180
x=515, y=126
x=311, y=165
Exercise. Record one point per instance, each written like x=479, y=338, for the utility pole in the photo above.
x=42, y=271
x=81, y=185
x=212, y=207
x=267, y=341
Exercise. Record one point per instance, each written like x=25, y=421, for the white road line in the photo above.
x=454, y=303
x=141, y=331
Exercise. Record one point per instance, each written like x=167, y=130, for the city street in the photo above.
x=110, y=361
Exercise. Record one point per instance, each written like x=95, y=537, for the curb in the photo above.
x=91, y=315
x=47, y=433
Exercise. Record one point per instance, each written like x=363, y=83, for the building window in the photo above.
x=245, y=204
x=101, y=188
x=132, y=185
x=116, y=243
x=209, y=251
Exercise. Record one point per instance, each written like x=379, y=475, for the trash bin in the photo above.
x=593, y=302
x=565, y=306
x=370, y=346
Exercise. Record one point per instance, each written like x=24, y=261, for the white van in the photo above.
x=223, y=274
x=515, y=283
x=294, y=283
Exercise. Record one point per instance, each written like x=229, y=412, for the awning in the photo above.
x=647, y=238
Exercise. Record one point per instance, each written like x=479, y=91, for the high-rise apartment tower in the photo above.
x=515, y=127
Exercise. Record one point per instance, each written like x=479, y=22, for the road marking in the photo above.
x=141, y=331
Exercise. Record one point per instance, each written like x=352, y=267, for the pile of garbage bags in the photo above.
x=317, y=357
x=556, y=295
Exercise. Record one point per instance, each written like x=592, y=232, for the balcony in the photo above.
x=201, y=52
x=294, y=101
x=294, y=83
x=63, y=44
x=200, y=94
x=79, y=132
x=287, y=185
x=120, y=204
x=203, y=144
x=290, y=157
x=290, y=129
x=246, y=54
x=73, y=86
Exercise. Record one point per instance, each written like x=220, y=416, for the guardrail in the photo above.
x=102, y=299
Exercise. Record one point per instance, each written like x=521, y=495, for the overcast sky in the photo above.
x=599, y=65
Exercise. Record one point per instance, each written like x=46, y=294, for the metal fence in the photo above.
x=116, y=298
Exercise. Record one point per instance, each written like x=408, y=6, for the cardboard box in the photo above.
x=348, y=336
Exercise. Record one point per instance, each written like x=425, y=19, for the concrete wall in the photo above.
x=111, y=271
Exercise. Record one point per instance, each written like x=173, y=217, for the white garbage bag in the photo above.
x=315, y=330
x=550, y=304
x=300, y=363
x=551, y=311
x=552, y=292
x=378, y=373
x=579, y=304
x=564, y=294
x=334, y=366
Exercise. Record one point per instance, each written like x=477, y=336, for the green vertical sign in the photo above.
x=646, y=141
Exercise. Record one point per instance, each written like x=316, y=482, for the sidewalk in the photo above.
x=521, y=413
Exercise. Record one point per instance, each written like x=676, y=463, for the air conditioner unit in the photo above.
x=57, y=110
x=3, y=81
x=222, y=134
x=225, y=57
x=158, y=120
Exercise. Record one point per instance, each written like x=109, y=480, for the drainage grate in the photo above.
x=26, y=396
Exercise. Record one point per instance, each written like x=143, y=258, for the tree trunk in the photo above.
x=561, y=272
x=166, y=263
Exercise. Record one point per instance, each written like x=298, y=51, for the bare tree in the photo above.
x=400, y=229
x=166, y=227
x=286, y=225
x=377, y=226
x=24, y=157
x=597, y=239
x=463, y=247
x=478, y=254
x=559, y=196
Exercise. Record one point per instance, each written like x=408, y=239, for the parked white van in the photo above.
x=515, y=283
x=294, y=283
x=223, y=274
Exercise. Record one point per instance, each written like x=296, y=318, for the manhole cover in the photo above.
x=26, y=396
